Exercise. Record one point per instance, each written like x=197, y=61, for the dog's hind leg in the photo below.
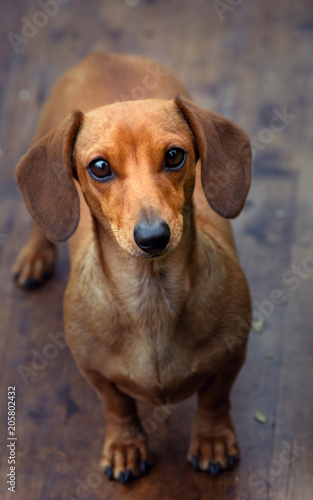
x=35, y=262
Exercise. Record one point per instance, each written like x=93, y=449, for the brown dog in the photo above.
x=156, y=291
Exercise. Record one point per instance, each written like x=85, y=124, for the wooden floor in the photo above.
x=253, y=64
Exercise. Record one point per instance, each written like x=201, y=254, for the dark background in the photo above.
x=250, y=61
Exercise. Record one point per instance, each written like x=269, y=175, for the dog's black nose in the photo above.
x=152, y=237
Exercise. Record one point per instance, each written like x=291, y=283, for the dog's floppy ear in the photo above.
x=44, y=175
x=225, y=154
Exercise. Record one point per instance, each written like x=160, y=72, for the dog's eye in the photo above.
x=175, y=158
x=100, y=170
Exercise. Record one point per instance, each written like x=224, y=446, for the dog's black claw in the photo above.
x=31, y=284
x=47, y=276
x=218, y=468
x=109, y=472
x=194, y=463
x=231, y=462
x=15, y=276
x=128, y=476
x=121, y=477
x=144, y=467
x=213, y=469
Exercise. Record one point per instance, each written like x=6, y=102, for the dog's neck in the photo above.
x=167, y=278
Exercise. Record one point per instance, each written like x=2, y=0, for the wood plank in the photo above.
x=248, y=66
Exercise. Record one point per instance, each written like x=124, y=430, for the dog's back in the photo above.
x=104, y=78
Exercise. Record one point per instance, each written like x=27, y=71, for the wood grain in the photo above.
x=253, y=66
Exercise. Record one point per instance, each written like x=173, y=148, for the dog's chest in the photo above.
x=150, y=335
x=149, y=308
x=158, y=354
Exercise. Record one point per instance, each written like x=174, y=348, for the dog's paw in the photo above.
x=214, y=451
x=125, y=455
x=34, y=264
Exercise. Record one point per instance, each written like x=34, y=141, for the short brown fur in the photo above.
x=153, y=327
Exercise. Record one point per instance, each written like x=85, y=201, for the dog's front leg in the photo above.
x=213, y=445
x=125, y=453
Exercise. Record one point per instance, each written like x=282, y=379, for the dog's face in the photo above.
x=135, y=163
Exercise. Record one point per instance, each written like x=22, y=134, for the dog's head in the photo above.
x=135, y=162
